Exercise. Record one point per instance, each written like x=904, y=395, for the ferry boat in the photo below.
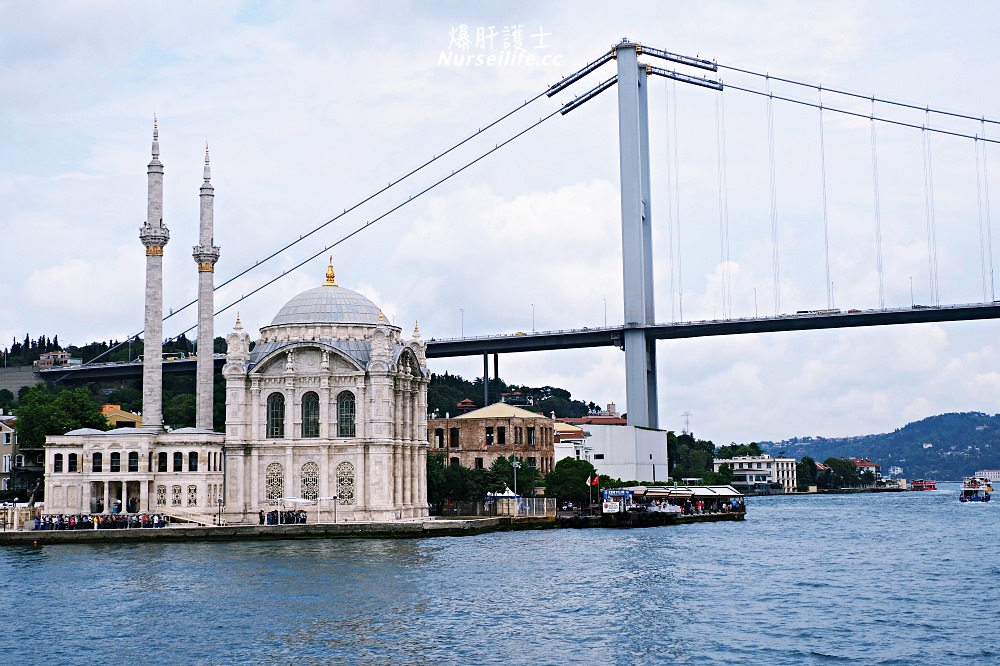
x=921, y=484
x=975, y=489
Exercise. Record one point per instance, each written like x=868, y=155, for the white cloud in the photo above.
x=311, y=108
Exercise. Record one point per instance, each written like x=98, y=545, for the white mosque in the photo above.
x=327, y=411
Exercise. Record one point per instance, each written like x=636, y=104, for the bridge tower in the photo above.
x=637, y=251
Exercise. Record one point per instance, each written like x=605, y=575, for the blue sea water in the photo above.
x=902, y=578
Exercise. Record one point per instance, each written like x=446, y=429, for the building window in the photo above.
x=310, y=414
x=479, y=463
x=598, y=456
x=345, y=415
x=438, y=438
x=454, y=462
x=175, y=496
x=57, y=462
x=310, y=481
x=275, y=416
x=345, y=483
x=133, y=461
x=72, y=462
x=769, y=465
x=453, y=438
x=531, y=436
x=116, y=462
x=489, y=435
x=192, y=461
x=192, y=495
x=161, y=461
x=501, y=435
x=178, y=461
x=532, y=462
x=161, y=495
x=274, y=479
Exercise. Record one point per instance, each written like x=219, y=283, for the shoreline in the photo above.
x=417, y=529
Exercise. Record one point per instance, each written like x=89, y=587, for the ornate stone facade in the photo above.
x=331, y=403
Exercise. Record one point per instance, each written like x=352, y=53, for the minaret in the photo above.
x=154, y=236
x=205, y=255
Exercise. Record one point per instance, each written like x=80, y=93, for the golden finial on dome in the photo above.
x=381, y=317
x=331, y=279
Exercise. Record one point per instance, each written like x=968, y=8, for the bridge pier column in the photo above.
x=637, y=253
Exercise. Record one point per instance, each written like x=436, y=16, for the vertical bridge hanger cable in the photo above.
x=878, y=212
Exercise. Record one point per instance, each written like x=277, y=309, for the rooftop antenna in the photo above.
x=687, y=423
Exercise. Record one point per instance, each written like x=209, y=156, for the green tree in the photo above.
x=805, y=473
x=437, y=488
x=179, y=410
x=43, y=411
x=527, y=477
x=734, y=450
x=568, y=481
x=6, y=399
x=689, y=457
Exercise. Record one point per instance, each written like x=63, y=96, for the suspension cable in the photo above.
x=826, y=223
x=878, y=213
x=391, y=184
x=929, y=211
x=677, y=215
x=865, y=97
x=410, y=199
x=982, y=235
x=261, y=262
x=989, y=232
x=855, y=114
x=720, y=135
x=774, y=202
x=670, y=202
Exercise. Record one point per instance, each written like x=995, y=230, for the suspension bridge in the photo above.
x=639, y=330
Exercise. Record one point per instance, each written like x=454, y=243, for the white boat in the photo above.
x=975, y=489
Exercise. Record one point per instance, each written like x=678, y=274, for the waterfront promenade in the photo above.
x=413, y=529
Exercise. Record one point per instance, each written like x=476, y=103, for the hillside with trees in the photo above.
x=446, y=390
x=944, y=447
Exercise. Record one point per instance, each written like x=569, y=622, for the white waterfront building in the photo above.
x=749, y=471
x=329, y=409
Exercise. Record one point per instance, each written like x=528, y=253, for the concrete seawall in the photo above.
x=398, y=530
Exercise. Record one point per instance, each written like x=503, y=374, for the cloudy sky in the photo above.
x=309, y=108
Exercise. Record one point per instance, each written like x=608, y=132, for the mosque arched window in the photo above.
x=274, y=479
x=275, y=416
x=345, y=483
x=116, y=461
x=345, y=415
x=192, y=461
x=97, y=464
x=310, y=415
x=57, y=462
x=310, y=481
x=72, y=463
x=133, y=461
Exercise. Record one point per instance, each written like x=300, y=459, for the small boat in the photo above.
x=975, y=489
x=921, y=484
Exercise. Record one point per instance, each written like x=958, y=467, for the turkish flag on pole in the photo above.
x=596, y=480
x=588, y=481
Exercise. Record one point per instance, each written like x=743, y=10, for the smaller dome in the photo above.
x=329, y=304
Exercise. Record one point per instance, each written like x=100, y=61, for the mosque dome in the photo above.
x=328, y=304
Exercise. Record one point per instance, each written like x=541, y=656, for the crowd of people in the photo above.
x=290, y=517
x=102, y=521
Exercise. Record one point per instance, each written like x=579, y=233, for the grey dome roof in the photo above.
x=328, y=305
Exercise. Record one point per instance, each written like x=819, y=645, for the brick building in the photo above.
x=476, y=439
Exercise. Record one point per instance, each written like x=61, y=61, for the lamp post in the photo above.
x=334, y=498
x=462, y=310
x=532, y=317
x=515, y=464
x=218, y=521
